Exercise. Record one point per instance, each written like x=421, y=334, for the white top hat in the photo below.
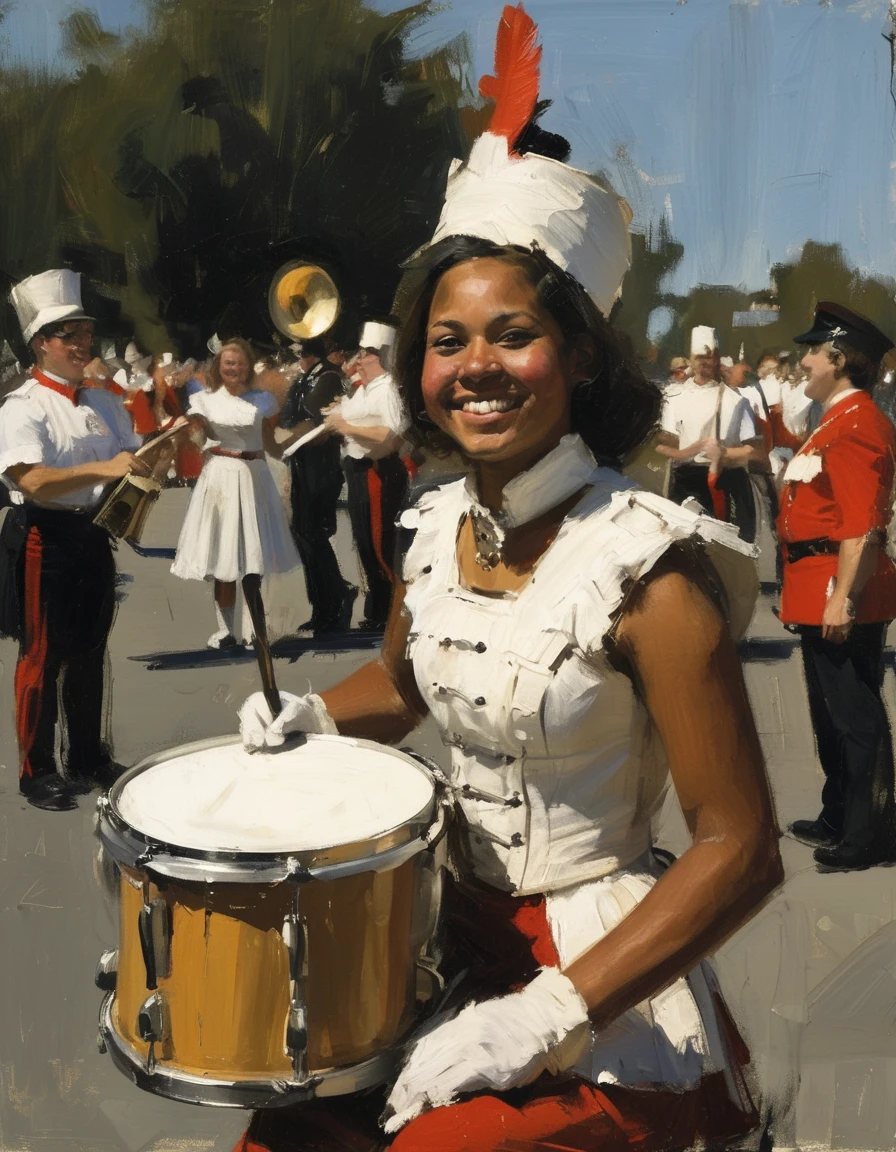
x=527, y=199
x=48, y=298
x=214, y=344
x=377, y=336
x=533, y=200
x=704, y=340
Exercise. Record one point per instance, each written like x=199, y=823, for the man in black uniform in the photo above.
x=60, y=444
x=316, y=481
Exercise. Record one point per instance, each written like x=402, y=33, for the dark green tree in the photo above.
x=180, y=167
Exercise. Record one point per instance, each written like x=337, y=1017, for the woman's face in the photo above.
x=496, y=375
x=233, y=368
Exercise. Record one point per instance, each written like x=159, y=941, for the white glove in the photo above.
x=298, y=714
x=496, y=1044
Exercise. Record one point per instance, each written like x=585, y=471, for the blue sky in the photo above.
x=752, y=126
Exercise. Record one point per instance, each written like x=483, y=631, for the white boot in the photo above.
x=224, y=637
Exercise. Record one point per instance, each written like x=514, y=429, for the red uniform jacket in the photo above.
x=851, y=453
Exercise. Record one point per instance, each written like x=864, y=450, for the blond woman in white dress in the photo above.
x=235, y=529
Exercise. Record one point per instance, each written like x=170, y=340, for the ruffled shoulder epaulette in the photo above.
x=645, y=526
x=435, y=511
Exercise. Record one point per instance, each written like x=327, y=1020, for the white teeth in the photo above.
x=481, y=407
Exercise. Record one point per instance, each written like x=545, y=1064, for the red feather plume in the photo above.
x=514, y=86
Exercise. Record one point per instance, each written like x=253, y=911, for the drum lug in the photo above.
x=152, y=1019
x=297, y=1030
x=106, y=973
x=100, y=1042
x=154, y=928
x=297, y=871
x=295, y=936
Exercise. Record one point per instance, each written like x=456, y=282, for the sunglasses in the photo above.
x=71, y=335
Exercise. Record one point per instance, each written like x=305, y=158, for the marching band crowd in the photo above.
x=571, y=636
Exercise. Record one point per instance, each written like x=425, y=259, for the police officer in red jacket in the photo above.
x=839, y=590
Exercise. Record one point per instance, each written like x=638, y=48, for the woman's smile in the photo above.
x=497, y=376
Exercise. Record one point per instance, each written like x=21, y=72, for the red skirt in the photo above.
x=498, y=943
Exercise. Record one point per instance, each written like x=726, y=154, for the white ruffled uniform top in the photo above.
x=555, y=764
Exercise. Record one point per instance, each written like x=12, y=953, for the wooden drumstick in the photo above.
x=255, y=604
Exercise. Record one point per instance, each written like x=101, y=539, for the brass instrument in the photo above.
x=303, y=301
x=128, y=501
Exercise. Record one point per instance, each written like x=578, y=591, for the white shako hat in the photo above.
x=704, y=341
x=48, y=298
x=379, y=336
x=508, y=198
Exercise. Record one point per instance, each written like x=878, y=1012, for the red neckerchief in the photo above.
x=67, y=390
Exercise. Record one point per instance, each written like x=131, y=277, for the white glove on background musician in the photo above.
x=496, y=1044
x=259, y=729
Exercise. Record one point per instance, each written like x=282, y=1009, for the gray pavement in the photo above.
x=812, y=979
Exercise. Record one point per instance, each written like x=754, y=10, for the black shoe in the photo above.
x=102, y=775
x=849, y=858
x=816, y=833
x=349, y=596
x=51, y=793
x=368, y=625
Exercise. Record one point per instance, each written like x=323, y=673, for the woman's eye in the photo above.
x=446, y=343
x=517, y=337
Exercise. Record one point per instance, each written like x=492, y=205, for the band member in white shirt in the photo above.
x=60, y=445
x=710, y=434
x=372, y=422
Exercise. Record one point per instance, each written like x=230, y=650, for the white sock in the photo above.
x=225, y=618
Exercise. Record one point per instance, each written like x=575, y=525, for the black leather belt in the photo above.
x=795, y=550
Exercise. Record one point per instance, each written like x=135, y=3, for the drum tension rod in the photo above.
x=297, y=944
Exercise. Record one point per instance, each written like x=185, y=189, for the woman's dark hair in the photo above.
x=613, y=412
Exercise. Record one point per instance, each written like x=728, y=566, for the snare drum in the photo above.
x=274, y=911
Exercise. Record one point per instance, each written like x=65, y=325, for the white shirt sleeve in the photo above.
x=771, y=387
x=196, y=404
x=23, y=434
x=668, y=419
x=394, y=415
x=382, y=406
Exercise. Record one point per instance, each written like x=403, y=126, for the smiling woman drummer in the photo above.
x=568, y=634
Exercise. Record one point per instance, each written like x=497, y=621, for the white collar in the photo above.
x=564, y=470
x=61, y=379
x=845, y=394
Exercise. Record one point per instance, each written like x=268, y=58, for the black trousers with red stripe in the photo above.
x=376, y=492
x=67, y=597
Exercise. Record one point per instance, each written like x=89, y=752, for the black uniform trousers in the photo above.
x=66, y=578
x=377, y=491
x=316, y=481
x=740, y=503
x=852, y=732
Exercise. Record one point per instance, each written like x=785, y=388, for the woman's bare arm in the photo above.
x=381, y=700
x=688, y=672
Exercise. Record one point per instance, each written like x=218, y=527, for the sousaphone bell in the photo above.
x=303, y=301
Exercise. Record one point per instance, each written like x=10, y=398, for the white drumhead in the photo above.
x=327, y=792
